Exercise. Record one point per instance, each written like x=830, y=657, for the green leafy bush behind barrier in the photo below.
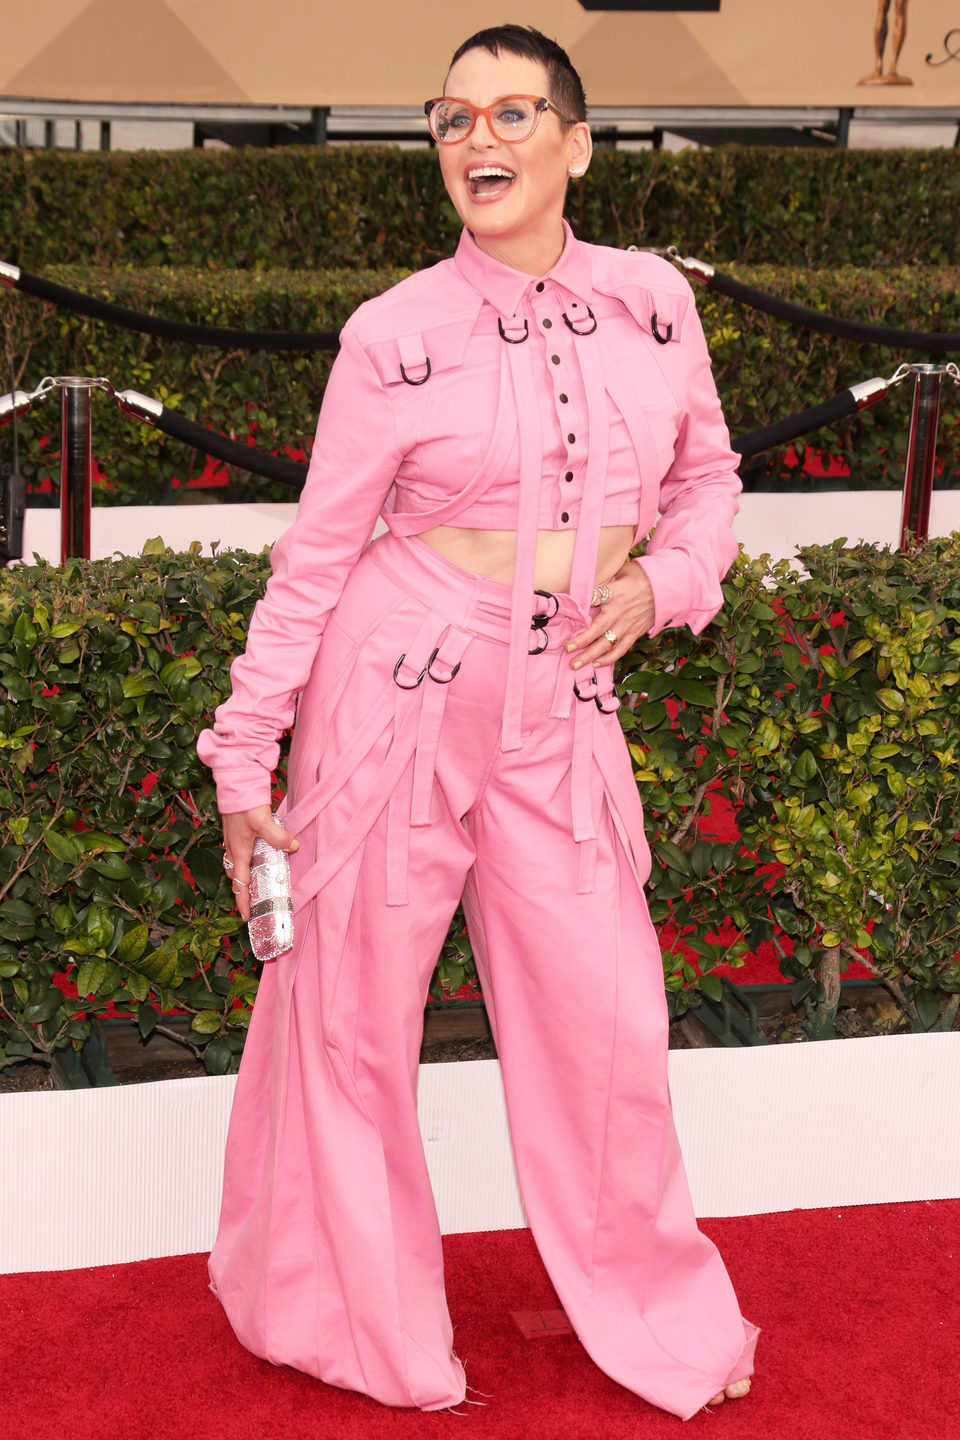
x=108, y=671
x=278, y=396
x=765, y=369
x=845, y=760
x=856, y=773
x=368, y=206
x=827, y=708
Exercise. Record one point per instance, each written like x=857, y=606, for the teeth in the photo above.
x=489, y=172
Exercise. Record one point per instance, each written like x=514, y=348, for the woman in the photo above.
x=518, y=413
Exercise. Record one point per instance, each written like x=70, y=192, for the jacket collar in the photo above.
x=504, y=288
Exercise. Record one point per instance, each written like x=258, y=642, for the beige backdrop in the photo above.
x=393, y=52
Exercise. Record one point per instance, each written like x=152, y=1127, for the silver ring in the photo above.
x=601, y=594
x=610, y=637
x=227, y=864
x=235, y=883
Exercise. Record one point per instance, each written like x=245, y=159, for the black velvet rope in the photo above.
x=182, y=330
x=781, y=432
x=929, y=341
x=932, y=342
x=245, y=457
x=289, y=472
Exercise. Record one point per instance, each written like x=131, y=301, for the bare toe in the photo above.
x=718, y=1399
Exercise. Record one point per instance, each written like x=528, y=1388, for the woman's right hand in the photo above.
x=240, y=830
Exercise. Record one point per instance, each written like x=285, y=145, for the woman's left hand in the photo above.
x=628, y=614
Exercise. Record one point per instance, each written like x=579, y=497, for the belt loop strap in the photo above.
x=398, y=846
x=445, y=660
x=581, y=768
x=432, y=706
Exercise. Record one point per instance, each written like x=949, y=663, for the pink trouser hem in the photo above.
x=742, y=1370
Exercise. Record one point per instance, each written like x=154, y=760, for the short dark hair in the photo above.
x=566, y=87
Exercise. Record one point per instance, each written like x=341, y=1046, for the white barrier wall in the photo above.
x=98, y=1177
x=767, y=524
x=123, y=529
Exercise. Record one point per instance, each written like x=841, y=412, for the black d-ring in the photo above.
x=436, y=678
x=539, y=622
x=398, y=681
x=549, y=595
x=597, y=699
x=407, y=379
x=661, y=339
x=509, y=338
x=571, y=325
x=607, y=709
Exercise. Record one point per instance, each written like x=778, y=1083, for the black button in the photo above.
x=563, y=399
x=547, y=324
x=564, y=517
x=539, y=287
x=571, y=438
x=555, y=359
x=569, y=475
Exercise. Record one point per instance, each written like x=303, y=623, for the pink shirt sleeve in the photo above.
x=693, y=545
x=353, y=465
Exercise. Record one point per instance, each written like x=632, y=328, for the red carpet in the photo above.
x=859, y=1309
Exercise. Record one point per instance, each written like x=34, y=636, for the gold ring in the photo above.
x=610, y=637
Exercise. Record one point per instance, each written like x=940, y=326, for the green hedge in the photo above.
x=826, y=708
x=108, y=671
x=365, y=206
x=765, y=369
x=276, y=396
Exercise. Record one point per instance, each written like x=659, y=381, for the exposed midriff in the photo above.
x=491, y=552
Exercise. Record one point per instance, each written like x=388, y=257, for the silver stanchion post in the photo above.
x=76, y=451
x=921, y=451
x=76, y=464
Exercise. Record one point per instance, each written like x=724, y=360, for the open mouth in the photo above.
x=489, y=182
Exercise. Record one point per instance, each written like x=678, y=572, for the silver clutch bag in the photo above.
x=271, y=902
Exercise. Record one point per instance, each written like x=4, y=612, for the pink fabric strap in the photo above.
x=406, y=523
x=521, y=608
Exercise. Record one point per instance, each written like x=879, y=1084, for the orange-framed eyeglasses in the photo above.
x=511, y=119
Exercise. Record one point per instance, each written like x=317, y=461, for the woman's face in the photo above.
x=514, y=216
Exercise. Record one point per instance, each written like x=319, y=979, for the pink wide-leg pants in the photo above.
x=328, y=1256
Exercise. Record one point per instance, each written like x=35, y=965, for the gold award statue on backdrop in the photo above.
x=880, y=30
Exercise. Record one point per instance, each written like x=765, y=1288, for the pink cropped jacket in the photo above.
x=474, y=395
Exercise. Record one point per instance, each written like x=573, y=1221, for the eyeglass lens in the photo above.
x=510, y=119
